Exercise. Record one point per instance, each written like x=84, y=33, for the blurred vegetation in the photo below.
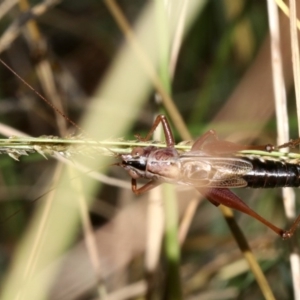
x=82, y=41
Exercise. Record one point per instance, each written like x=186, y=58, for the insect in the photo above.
x=212, y=167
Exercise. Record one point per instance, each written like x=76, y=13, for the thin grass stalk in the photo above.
x=155, y=228
x=228, y=213
x=62, y=226
x=283, y=132
x=77, y=146
x=248, y=254
x=181, y=24
x=290, y=205
x=278, y=80
x=242, y=242
x=135, y=290
x=280, y=99
x=14, y=29
x=172, y=248
x=171, y=242
x=7, y=130
x=148, y=67
x=26, y=280
x=35, y=251
x=178, y=36
x=285, y=9
x=295, y=55
x=89, y=236
x=6, y=6
x=188, y=218
x=37, y=44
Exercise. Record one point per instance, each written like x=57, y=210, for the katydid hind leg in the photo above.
x=289, y=233
x=229, y=199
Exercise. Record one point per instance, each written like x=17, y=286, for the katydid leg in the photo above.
x=167, y=131
x=229, y=199
x=145, y=188
x=210, y=143
x=291, y=143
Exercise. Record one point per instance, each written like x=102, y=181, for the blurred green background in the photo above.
x=222, y=80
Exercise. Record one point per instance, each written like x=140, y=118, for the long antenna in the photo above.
x=42, y=97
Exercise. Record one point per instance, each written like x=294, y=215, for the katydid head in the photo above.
x=135, y=163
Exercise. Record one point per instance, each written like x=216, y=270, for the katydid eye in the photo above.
x=138, y=165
